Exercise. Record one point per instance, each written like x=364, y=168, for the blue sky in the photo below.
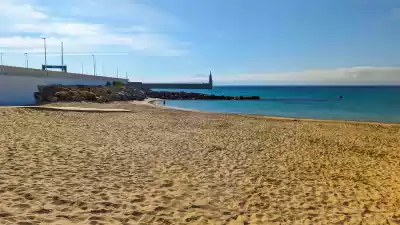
x=242, y=42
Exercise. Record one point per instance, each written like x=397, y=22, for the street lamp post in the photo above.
x=1, y=59
x=94, y=65
x=117, y=69
x=45, y=53
x=62, y=53
x=26, y=60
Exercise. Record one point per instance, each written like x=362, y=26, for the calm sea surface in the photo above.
x=362, y=103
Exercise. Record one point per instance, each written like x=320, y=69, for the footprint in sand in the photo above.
x=167, y=183
x=5, y=214
x=139, y=198
x=58, y=201
x=110, y=204
x=23, y=206
x=28, y=196
x=159, y=208
x=100, y=211
x=43, y=211
x=24, y=223
x=136, y=213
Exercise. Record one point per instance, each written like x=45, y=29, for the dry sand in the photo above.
x=165, y=166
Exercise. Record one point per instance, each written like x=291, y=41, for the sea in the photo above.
x=357, y=103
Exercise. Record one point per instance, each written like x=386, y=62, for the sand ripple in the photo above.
x=158, y=166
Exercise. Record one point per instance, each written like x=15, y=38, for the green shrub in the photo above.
x=118, y=83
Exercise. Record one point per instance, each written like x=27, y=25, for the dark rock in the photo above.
x=115, y=97
x=195, y=96
x=38, y=97
x=78, y=98
x=73, y=93
x=101, y=99
x=249, y=97
x=91, y=96
x=52, y=99
x=62, y=96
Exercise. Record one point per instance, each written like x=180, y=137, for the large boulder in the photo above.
x=38, y=97
x=90, y=96
x=83, y=93
x=62, y=96
x=101, y=100
x=73, y=93
x=78, y=98
x=123, y=96
x=115, y=97
x=52, y=99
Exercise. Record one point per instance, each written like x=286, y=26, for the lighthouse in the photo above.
x=210, y=80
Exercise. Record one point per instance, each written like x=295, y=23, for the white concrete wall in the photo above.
x=17, y=85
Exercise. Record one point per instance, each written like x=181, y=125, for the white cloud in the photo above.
x=341, y=76
x=396, y=13
x=61, y=28
x=26, y=22
x=14, y=10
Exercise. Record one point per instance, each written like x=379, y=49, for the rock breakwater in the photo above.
x=195, y=96
x=76, y=93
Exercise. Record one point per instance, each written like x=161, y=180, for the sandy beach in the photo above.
x=166, y=166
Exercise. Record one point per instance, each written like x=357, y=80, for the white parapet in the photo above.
x=17, y=85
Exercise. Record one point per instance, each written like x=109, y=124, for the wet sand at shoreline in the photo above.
x=164, y=166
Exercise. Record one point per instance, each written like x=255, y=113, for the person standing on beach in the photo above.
x=164, y=102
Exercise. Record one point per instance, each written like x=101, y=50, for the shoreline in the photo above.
x=151, y=102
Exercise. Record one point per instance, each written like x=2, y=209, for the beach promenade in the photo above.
x=154, y=165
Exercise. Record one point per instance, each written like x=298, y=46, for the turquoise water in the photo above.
x=361, y=103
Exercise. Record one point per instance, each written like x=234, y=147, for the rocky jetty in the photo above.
x=195, y=96
x=55, y=93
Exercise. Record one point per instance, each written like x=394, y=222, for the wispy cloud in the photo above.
x=396, y=13
x=341, y=76
x=25, y=21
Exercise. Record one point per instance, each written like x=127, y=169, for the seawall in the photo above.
x=17, y=84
